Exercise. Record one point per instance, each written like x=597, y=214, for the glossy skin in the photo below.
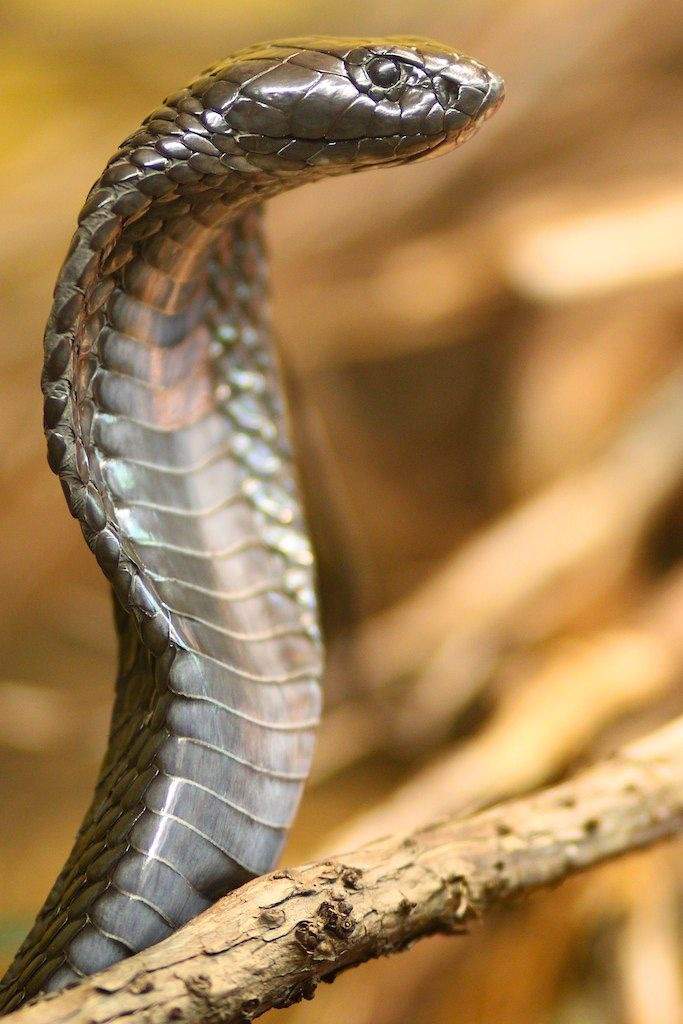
x=165, y=424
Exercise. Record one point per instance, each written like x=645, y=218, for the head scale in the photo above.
x=334, y=106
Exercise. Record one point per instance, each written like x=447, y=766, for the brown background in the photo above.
x=471, y=346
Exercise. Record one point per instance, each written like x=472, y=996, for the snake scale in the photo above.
x=166, y=425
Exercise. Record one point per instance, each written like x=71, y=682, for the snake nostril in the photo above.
x=446, y=90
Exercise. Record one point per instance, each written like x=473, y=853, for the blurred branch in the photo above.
x=541, y=725
x=576, y=687
x=269, y=943
x=536, y=728
x=569, y=247
x=648, y=949
x=595, y=516
x=634, y=238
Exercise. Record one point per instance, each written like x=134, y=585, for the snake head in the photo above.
x=336, y=106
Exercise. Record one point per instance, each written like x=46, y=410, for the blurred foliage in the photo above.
x=484, y=360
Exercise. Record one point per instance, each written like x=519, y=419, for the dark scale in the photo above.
x=165, y=423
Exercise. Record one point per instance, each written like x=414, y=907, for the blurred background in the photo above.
x=485, y=363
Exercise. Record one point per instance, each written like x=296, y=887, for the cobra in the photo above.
x=165, y=424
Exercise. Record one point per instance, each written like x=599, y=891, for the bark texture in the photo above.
x=269, y=943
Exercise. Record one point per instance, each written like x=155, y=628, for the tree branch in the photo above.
x=269, y=943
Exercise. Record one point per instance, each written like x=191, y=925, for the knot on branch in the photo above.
x=460, y=905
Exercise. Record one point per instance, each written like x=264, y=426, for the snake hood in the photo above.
x=334, y=106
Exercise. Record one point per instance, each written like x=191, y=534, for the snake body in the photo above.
x=165, y=424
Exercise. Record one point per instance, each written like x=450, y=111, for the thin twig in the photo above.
x=270, y=943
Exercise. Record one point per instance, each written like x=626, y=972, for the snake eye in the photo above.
x=384, y=72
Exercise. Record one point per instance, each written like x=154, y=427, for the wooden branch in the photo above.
x=269, y=943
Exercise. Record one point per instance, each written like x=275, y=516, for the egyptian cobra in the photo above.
x=166, y=425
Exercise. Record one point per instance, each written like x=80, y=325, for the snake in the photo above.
x=167, y=426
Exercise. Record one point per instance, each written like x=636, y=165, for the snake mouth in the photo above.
x=347, y=155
